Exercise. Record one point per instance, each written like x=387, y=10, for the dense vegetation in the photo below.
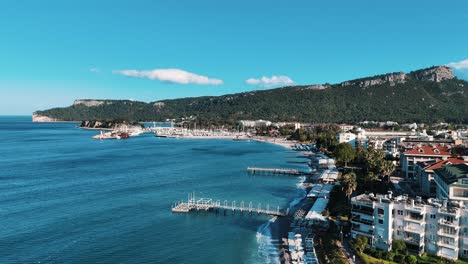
x=413, y=101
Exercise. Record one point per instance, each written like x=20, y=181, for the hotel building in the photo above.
x=436, y=227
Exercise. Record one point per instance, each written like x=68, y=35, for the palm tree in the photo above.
x=349, y=184
x=386, y=168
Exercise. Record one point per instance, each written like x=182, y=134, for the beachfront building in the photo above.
x=347, y=137
x=354, y=140
x=452, y=182
x=321, y=194
x=254, y=123
x=417, y=154
x=328, y=176
x=345, y=127
x=424, y=172
x=322, y=161
x=436, y=227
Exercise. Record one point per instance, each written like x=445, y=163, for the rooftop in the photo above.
x=453, y=172
x=442, y=163
x=428, y=151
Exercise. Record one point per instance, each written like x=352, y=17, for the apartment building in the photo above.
x=436, y=227
x=424, y=172
x=452, y=182
x=417, y=154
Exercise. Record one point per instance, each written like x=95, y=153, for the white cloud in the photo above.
x=461, y=65
x=273, y=81
x=95, y=70
x=171, y=75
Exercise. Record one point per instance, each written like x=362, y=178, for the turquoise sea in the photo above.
x=66, y=198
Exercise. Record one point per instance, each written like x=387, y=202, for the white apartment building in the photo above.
x=254, y=123
x=417, y=154
x=424, y=171
x=347, y=137
x=437, y=228
x=352, y=139
x=452, y=182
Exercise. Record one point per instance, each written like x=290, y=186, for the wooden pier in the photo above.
x=207, y=204
x=256, y=170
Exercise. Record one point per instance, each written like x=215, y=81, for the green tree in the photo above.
x=410, y=259
x=349, y=183
x=344, y=152
x=373, y=158
x=386, y=167
x=399, y=246
x=360, y=243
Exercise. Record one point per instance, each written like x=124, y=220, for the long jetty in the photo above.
x=194, y=204
x=255, y=170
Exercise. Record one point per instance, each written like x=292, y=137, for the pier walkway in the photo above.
x=207, y=204
x=257, y=170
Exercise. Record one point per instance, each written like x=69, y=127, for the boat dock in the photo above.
x=257, y=170
x=207, y=204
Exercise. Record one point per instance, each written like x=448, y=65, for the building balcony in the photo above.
x=448, y=256
x=360, y=211
x=416, y=209
x=448, y=223
x=414, y=220
x=419, y=231
x=451, y=212
x=454, y=236
x=369, y=233
x=413, y=241
x=358, y=221
x=453, y=246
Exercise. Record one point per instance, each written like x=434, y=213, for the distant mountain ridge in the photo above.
x=428, y=95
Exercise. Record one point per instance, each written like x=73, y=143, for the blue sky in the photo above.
x=55, y=51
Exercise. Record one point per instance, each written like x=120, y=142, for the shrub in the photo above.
x=380, y=254
x=410, y=259
x=390, y=256
x=399, y=258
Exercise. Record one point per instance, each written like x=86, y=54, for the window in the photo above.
x=400, y=212
x=465, y=252
x=433, y=216
x=380, y=211
x=380, y=221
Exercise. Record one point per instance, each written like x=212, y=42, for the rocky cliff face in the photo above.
x=392, y=79
x=43, y=118
x=109, y=125
x=90, y=102
x=317, y=87
x=434, y=74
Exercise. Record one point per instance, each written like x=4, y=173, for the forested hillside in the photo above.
x=420, y=96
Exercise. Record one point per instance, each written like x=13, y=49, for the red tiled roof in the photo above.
x=429, y=151
x=441, y=163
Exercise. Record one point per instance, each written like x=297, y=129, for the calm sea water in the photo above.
x=65, y=198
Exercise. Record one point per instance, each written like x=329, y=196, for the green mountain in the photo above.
x=428, y=95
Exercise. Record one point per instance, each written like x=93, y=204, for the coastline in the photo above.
x=280, y=227
x=288, y=144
